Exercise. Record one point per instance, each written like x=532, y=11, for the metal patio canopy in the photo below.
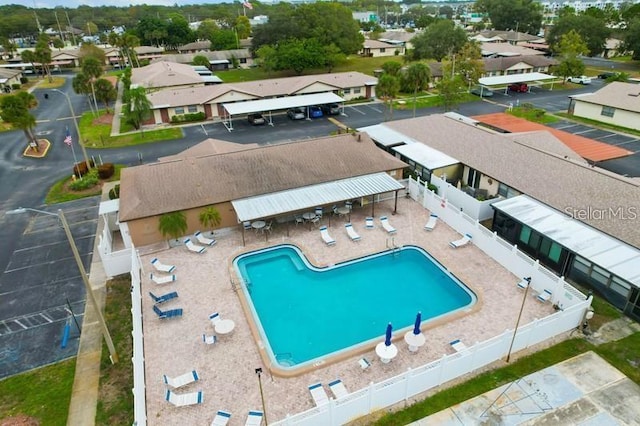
x=506, y=80
x=276, y=104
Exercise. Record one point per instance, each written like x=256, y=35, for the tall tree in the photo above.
x=392, y=67
x=632, y=38
x=242, y=27
x=593, y=31
x=14, y=109
x=439, y=40
x=332, y=57
x=569, y=48
x=139, y=107
x=521, y=15
x=450, y=89
x=387, y=90
x=92, y=70
x=105, y=92
x=42, y=54
x=417, y=76
x=201, y=60
x=469, y=63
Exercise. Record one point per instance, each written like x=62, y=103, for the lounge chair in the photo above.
x=164, y=297
x=209, y=340
x=352, y=232
x=386, y=225
x=194, y=247
x=318, y=394
x=163, y=279
x=161, y=267
x=368, y=223
x=184, y=399
x=458, y=346
x=214, y=318
x=544, y=296
x=182, y=380
x=326, y=237
x=461, y=242
x=221, y=418
x=246, y=225
x=254, y=418
x=522, y=285
x=171, y=313
x=364, y=363
x=431, y=223
x=204, y=240
x=338, y=389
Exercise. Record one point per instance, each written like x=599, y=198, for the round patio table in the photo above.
x=308, y=215
x=224, y=326
x=258, y=224
x=414, y=340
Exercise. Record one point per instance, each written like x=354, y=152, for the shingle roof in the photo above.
x=377, y=44
x=563, y=184
x=164, y=74
x=507, y=49
x=509, y=35
x=503, y=63
x=187, y=58
x=196, y=45
x=153, y=189
x=616, y=94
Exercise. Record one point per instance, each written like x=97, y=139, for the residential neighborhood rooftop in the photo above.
x=616, y=94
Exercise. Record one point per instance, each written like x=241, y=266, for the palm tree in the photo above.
x=387, y=89
x=418, y=75
x=139, y=107
x=14, y=109
x=210, y=217
x=173, y=224
x=92, y=70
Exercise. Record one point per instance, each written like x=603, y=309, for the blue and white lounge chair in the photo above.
x=544, y=296
x=162, y=279
x=338, y=389
x=171, y=313
x=194, y=247
x=318, y=394
x=522, y=285
x=431, y=223
x=324, y=233
x=386, y=225
x=161, y=267
x=254, y=418
x=184, y=399
x=209, y=340
x=368, y=223
x=221, y=418
x=182, y=380
x=461, y=242
x=364, y=363
x=352, y=232
x=204, y=240
x=458, y=346
x=164, y=298
x=214, y=318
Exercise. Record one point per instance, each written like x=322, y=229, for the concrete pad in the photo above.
x=572, y=413
x=601, y=419
x=621, y=400
x=589, y=372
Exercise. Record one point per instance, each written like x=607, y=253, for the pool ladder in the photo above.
x=391, y=245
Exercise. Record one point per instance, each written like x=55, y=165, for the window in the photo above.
x=357, y=90
x=243, y=60
x=581, y=264
x=346, y=91
x=608, y=111
x=192, y=108
x=382, y=49
x=620, y=286
x=180, y=110
x=525, y=234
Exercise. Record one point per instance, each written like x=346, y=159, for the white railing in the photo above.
x=139, y=400
x=401, y=388
x=114, y=262
x=480, y=210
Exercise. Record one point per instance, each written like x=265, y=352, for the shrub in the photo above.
x=186, y=118
x=432, y=187
x=88, y=181
x=106, y=170
x=24, y=80
x=16, y=86
x=114, y=192
x=81, y=169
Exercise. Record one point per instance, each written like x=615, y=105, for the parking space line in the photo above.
x=20, y=324
x=375, y=109
x=607, y=136
x=357, y=110
x=586, y=131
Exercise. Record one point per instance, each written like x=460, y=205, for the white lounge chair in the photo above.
x=458, y=346
x=545, y=296
x=184, y=399
x=386, y=225
x=182, y=380
x=352, y=232
x=254, y=418
x=461, y=242
x=364, y=363
x=162, y=279
x=338, y=389
x=431, y=223
x=161, y=267
x=209, y=340
x=324, y=233
x=522, y=285
x=318, y=394
x=368, y=223
x=194, y=247
x=221, y=418
x=204, y=240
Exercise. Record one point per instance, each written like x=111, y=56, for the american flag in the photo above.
x=68, y=139
x=246, y=4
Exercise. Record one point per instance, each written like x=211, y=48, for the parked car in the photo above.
x=581, y=79
x=331, y=109
x=256, y=119
x=315, y=112
x=519, y=87
x=607, y=74
x=481, y=91
x=296, y=113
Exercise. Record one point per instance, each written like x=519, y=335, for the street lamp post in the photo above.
x=264, y=409
x=75, y=122
x=524, y=299
x=74, y=249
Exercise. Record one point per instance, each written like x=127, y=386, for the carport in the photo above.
x=275, y=104
x=500, y=81
x=298, y=200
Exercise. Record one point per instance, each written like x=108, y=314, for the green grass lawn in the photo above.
x=530, y=113
x=59, y=193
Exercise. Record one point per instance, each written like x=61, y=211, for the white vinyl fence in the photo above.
x=139, y=402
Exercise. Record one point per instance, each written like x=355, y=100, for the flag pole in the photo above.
x=73, y=151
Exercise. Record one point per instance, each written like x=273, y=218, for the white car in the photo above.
x=582, y=79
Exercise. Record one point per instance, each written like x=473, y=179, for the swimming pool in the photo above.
x=307, y=314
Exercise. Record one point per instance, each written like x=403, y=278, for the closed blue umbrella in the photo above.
x=387, y=338
x=416, y=327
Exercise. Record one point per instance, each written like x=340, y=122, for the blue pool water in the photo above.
x=307, y=313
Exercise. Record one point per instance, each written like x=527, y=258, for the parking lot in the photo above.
x=627, y=142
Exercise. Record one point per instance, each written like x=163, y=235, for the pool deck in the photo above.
x=227, y=369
